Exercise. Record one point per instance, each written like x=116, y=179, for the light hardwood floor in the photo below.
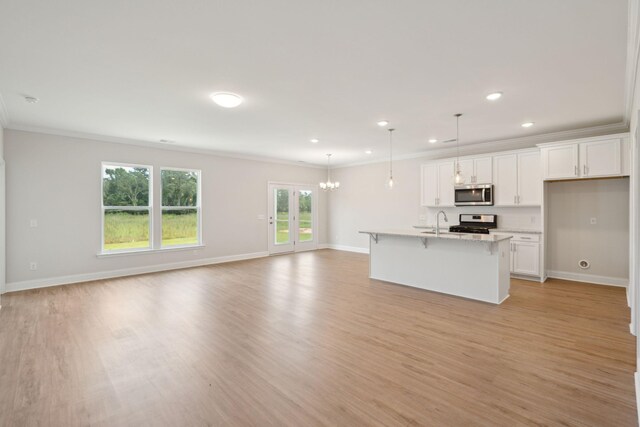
x=308, y=339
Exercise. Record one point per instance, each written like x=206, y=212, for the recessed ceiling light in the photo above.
x=433, y=140
x=383, y=123
x=527, y=124
x=493, y=96
x=315, y=140
x=167, y=141
x=226, y=99
x=368, y=152
x=31, y=99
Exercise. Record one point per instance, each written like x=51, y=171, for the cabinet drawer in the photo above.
x=525, y=237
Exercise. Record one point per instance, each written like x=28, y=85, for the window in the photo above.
x=180, y=207
x=126, y=207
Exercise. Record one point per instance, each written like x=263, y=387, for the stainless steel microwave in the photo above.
x=474, y=195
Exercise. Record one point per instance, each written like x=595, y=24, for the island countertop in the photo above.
x=486, y=238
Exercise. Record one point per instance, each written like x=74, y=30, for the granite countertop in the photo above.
x=493, y=230
x=489, y=238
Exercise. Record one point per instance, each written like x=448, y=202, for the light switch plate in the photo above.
x=33, y=223
x=261, y=216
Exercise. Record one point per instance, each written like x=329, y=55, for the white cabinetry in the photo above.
x=600, y=158
x=560, y=162
x=517, y=179
x=437, y=184
x=592, y=158
x=477, y=171
x=525, y=254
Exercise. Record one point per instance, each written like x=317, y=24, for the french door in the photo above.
x=292, y=218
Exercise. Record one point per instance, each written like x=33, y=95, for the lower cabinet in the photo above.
x=525, y=254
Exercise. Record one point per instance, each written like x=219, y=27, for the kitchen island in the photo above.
x=474, y=266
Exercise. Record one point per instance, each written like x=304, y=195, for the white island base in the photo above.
x=469, y=266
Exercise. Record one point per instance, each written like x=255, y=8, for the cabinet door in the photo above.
x=483, y=170
x=466, y=167
x=529, y=179
x=505, y=176
x=600, y=158
x=445, y=184
x=560, y=162
x=429, y=185
x=526, y=258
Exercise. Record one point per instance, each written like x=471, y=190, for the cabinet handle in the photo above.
x=518, y=199
x=584, y=170
x=515, y=200
x=575, y=170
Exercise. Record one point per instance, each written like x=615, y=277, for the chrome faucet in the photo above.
x=438, y=221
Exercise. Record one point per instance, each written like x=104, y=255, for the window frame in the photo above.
x=104, y=208
x=197, y=207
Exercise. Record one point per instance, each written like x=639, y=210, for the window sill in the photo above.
x=148, y=251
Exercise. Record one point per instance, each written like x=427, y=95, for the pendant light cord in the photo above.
x=458, y=142
x=391, y=153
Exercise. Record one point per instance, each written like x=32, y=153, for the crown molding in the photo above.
x=486, y=147
x=4, y=114
x=156, y=145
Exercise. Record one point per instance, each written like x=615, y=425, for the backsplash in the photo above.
x=528, y=218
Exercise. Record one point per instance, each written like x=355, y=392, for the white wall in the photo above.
x=56, y=180
x=571, y=236
x=2, y=217
x=363, y=201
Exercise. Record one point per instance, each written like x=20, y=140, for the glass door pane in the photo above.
x=282, y=235
x=305, y=218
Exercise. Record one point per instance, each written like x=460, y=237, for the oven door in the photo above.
x=474, y=195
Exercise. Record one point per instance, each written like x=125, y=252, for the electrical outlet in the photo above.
x=593, y=221
x=33, y=223
x=33, y=266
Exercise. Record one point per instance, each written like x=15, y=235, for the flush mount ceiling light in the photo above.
x=31, y=99
x=433, y=140
x=527, y=124
x=383, y=123
x=368, y=152
x=329, y=185
x=315, y=140
x=494, y=96
x=226, y=99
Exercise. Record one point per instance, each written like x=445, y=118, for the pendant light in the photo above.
x=329, y=185
x=390, y=182
x=459, y=178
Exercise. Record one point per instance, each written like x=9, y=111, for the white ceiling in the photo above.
x=144, y=70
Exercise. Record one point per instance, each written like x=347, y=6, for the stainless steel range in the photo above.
x=476, y=224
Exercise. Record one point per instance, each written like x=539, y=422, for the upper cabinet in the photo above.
x=517, y=179
x=477, y=171
x=437, y=184
x=560, y=162
x=600, y=158
x=592, y=158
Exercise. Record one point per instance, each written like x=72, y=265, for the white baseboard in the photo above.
x=345, y=248
x=87, y=277
x=637, y=378
x=589, y=278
